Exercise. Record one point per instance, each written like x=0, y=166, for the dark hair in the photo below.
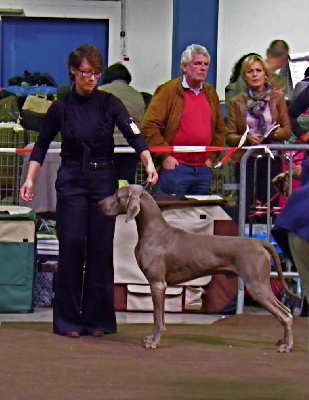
x=88, y=52
x=278, y=48
x=147, y=98
x=237, y=67
x=117, y=71
x=306, y=74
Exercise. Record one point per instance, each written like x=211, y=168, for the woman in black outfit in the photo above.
x=86, y=117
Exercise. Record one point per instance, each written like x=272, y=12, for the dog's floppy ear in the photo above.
x=133, y=206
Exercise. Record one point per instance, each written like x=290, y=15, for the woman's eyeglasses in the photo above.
x=88, y=74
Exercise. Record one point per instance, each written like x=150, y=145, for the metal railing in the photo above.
x=290, y=148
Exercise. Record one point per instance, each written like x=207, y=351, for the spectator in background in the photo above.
x=116, y=80
x=258, y=108
x=185, y=111
x=297, y=108
x=300, y=86
x=291, y=232
x=277, y=54
x=147, y=98
x=237, y=84
x=277, y=57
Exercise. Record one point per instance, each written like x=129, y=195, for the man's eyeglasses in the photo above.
x=88, y=74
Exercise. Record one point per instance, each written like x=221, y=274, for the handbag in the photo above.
x=9, y=109
x=33, y=111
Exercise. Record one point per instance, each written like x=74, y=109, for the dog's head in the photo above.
x=125, y=200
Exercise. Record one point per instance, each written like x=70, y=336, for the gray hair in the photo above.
x=187, y=54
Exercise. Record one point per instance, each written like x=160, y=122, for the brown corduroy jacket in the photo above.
x=163, y=114
x=237, y=120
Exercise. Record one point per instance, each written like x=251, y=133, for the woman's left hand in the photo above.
x=276, y=135
x=150, y=168
x=152, y=173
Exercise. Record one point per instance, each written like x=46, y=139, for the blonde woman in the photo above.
x=258, y=107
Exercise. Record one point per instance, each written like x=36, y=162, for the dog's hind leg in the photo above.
x=158, y=298
x=284, y=309
x=268, y=300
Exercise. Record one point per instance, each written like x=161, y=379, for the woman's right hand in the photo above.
x=254, y=139
x=26, y=191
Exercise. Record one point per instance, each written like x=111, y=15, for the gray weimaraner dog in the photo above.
x=168, y=256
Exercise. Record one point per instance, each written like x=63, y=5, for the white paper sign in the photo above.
x=298, y=64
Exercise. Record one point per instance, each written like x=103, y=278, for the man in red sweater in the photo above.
x=185, y=112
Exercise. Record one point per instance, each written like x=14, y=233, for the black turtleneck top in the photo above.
x=86, y=121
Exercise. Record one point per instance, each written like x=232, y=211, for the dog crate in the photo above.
x=31, y=137
x=18, y=259
x=10, y=164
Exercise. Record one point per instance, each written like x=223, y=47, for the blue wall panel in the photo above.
x=43, y=44
x=195, y=21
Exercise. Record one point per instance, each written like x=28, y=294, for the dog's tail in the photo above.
x=272, y=251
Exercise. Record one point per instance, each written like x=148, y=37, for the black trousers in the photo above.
x=84, y=287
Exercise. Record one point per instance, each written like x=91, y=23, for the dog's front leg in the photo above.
x=158, y=297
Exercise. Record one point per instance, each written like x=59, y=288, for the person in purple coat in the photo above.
x=291, y=229
x=291, y=232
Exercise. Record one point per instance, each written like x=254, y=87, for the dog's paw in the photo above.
x=151, y=346
x=284, y=348
x=149, y=342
